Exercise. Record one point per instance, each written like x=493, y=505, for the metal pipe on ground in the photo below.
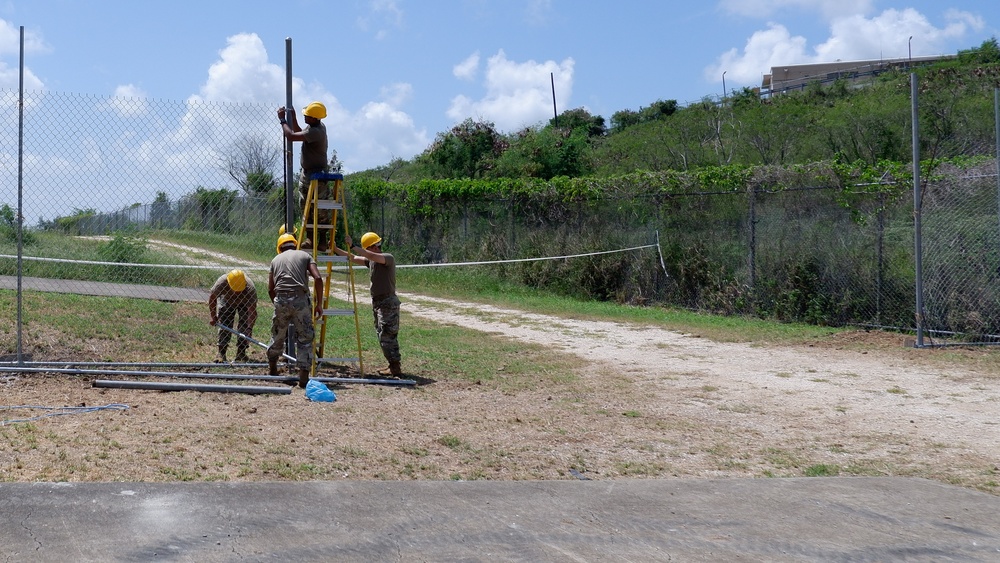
x=204, y=387
x=140, y=373
x=251, y=340
x=134, y=364
x=408, y=382
x=76, y=371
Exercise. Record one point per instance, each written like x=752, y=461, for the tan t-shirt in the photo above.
x=290, y=271
x=383, y=276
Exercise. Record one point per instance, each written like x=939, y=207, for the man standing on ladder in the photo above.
x=385, y=304
x=288, y=288
x=312, y=160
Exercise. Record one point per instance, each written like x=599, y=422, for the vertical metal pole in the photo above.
x=917, y=210
x=20, y=192
x=996, y=133
x=555, y=114
x=753, y=238
x=880, y=269
x=290, y=347
x=289, y=172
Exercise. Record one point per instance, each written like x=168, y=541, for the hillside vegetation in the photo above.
x=794, y=206
x=865, y=121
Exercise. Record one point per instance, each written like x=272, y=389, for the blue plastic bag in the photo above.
x=318, y=391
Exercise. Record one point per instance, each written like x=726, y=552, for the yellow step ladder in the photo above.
x=314, y=209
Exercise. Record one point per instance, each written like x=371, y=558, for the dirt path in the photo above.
x=820, y=392
x=645, y=402
x=848, y=401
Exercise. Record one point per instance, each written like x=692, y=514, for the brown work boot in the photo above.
x=242, y=357
x=221, y=358
x=393, y=369
x=272, y=366
x=303, y=378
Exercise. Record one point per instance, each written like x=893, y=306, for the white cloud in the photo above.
x=129, y=101
x=364, y=138
x=467, y=69
x=852, y=37
x=10, y=40
x=10, y=44
x=383, y=14
x=397, y=94
x=243, y=73
x=381, y=131
x=537, y=12
x=517, y=94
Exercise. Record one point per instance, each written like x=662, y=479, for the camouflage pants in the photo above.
x=386, y=313
x=226, y=316
x=295, y=311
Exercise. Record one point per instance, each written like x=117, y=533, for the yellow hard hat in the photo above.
x=315, y=109
x=369, y=239
x=237, y=280
x=283, y=240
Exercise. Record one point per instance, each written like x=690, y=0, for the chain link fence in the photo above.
x=161, y=194
x=961, y=255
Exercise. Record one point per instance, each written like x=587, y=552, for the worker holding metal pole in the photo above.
x=233, y=295
x=288, y=288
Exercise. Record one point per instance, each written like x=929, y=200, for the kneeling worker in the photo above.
x=233, y=294
x=288, y=288
x=385, y=304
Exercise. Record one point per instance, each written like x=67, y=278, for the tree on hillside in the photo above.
x=660, y=109
x=252, y=162
x=772, y=131
x=467, y=150
x=868, y=127
x=579, y=118
x=546, y=153
x=987, y=53
x=623, y=119
x=214, y=207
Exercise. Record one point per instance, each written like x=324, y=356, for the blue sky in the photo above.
x=394, y=73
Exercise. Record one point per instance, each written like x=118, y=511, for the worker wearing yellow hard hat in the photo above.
x=288, y=288
x=313, y=158
x=233, y=297
x=385, y=303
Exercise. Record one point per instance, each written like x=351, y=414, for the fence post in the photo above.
x=20, y=198
x=753, y=237
x=880, y=267
x=917, y=204
x=996, y=117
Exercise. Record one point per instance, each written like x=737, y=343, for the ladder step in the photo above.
x=338, y=312
x=326, y=176
x=329, y=204
x=330, y=258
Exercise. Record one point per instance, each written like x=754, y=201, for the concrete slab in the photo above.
x=801, y=519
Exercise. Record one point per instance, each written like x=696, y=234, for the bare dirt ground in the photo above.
x=639, y=401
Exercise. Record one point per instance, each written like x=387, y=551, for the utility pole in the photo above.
x=555, y=114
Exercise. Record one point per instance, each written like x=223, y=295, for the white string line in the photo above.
x=131, y=264
x=525, y=259
x=266, y=268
